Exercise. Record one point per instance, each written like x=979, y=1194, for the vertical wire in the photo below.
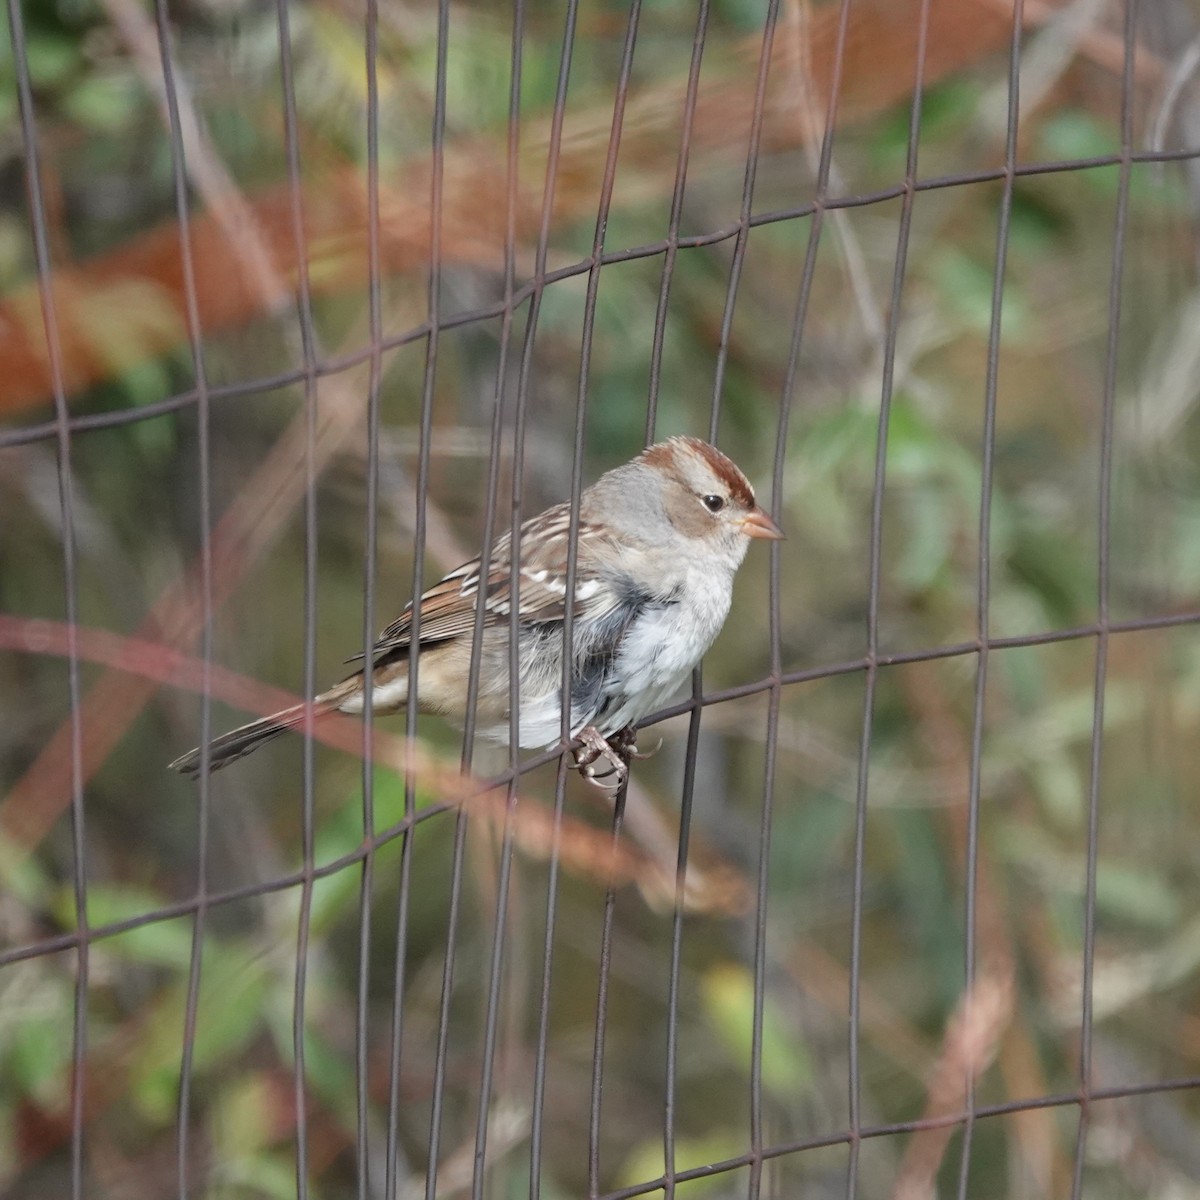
x=984, y=573
x=738, y=259
x=66, y=500
x=1106, y=452
x=677, y=193
x=585, y=358
x=542, y=1041
x=396, y=1031
x=741, y=244
x=1104, y=539
x=375, y=322
x=370, y=581
x=693, y=735
x=196, y=342
x=903, y=238
x=743, y=234
x=537, y=1117
x=691, y=755
x=808, y=271
x=308, y=349
x=422, y=483
x=604, y=971
x=496, y=966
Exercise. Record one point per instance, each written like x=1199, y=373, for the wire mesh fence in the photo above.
x=305, y=304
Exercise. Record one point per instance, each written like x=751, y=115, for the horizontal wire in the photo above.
x=199, y=905
x=332, y=365
x=181, y=908
x=846, y=1136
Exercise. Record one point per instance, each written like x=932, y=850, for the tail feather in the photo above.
x=237, y=743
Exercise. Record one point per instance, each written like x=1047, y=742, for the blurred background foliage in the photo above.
x=137, y=458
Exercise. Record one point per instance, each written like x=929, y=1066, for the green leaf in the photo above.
x=646, y=1162
x=242, y=1122
x=966, y=286
x=235, y=981
x=260, y=1177
x=104, y=103
x=927, y=549
x=1137, y=895
x=21, y=877
x=51, y=58
x=728, y=994
x=162, y=943
x=36, y=1061
x=1126, y=891
x=1074, y=134
x=927, y=910
x=1060, y=789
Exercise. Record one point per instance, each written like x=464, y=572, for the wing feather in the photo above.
x=448, y=608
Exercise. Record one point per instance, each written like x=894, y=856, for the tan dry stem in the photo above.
x=968, y=1049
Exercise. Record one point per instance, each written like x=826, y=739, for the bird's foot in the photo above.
x=624, y=742
x=594, y=748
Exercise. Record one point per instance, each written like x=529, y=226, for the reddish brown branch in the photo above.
x=717, y=888
x=128, y=304
x=145, y=277
x=153, y=664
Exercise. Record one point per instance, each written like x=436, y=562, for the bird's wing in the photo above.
x=448, y=608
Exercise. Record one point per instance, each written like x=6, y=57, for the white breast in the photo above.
x=662, y=647
x=659, y=650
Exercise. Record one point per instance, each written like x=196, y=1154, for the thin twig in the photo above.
x=811, y=114
x=968, y=1049
x=206, y=170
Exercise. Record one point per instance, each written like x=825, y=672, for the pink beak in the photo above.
x=759, y=525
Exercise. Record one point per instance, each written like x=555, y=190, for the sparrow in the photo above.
x=659, y=541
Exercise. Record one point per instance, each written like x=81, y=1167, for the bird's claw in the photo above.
x=635, y=753
x=595, y=748
x=624, y=742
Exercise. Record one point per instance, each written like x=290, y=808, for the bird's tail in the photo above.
x=237, y=743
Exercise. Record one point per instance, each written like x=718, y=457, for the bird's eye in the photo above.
x=714, y=504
